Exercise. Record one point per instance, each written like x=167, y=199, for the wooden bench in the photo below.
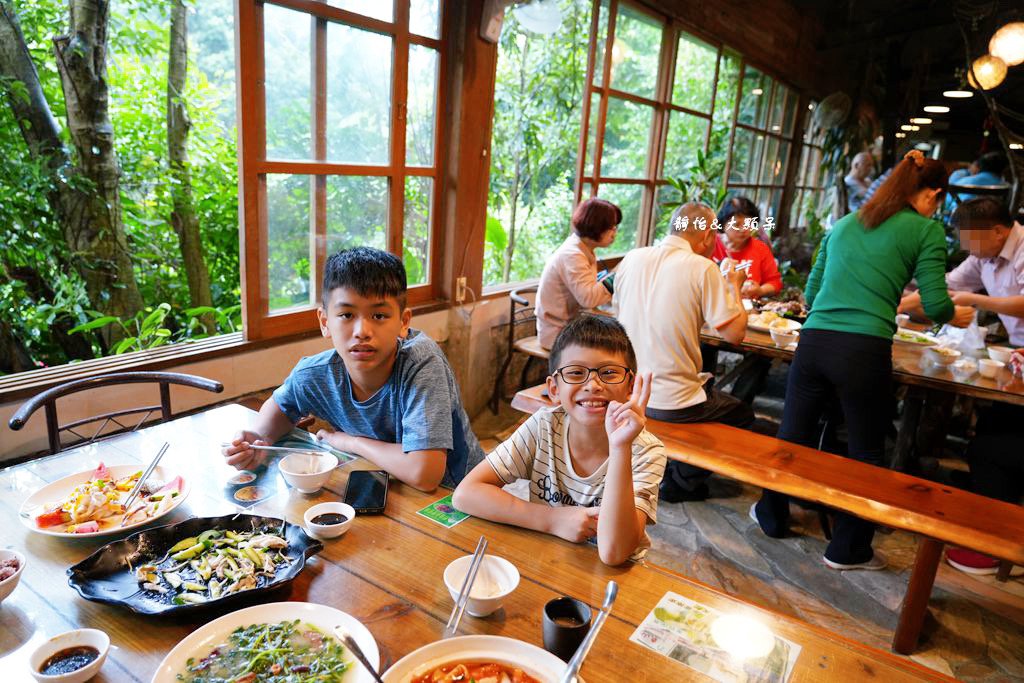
x=937, y=514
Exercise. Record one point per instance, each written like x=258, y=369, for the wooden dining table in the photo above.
x=909, y=367
x=386, y=572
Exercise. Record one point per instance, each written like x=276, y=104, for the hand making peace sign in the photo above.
x=624, y=421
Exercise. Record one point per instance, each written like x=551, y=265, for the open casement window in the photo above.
x=766, y=116
x=339, y=109
x=809, y=191
x=660, y=99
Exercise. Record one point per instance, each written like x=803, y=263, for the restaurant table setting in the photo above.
x=245, y=578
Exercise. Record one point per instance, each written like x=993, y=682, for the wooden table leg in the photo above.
x=905, y=440
x=919, y=590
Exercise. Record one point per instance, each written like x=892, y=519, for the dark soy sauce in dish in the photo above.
x=329, y=518
x=69, y=660
x=568, y=622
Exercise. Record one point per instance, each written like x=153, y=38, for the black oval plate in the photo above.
x=105, y=577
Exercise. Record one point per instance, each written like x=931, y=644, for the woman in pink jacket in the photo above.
x=569, y=282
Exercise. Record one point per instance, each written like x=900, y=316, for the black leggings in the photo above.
x=856, y=371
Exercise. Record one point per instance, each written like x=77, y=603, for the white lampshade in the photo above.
x=924, y=121
x=937, y=109
x=986, y=72
x=957, y=94
x=1008, y=43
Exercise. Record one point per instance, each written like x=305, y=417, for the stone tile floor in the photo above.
x=975, y=626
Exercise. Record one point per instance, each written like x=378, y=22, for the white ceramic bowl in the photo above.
x=536, y=662
x=942, y=355
x=1000, y=353
x=783, y=338
x=495, y=580
x=964, y=368
x=902, y=319
x=989, y=368
x=308, y=472
x=8, y=584
x=328, y=530
x=77, y=638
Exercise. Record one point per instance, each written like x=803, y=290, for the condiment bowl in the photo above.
x=82, y=637
x=902, y=319
x=495, y=580
x=308, y=472
x=329, y=530
x=7, y=585
x=989, y=368
x=1000, y=353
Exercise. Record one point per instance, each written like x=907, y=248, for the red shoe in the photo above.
x=976, y=563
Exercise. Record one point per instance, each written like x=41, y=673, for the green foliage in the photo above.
x=537, y=113
x=702, y=183
x=156, y=326
x=40, y=293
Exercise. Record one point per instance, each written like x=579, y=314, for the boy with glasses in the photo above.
x=593, y=468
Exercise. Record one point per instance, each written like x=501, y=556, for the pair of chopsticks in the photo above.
x=312, y=450
x=467, y=585
x=145, y=475
x=352, y=645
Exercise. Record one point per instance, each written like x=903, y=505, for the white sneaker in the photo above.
x=753, y=514
x=878, y=561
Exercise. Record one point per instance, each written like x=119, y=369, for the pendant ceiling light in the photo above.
x=1008, y=43
x=957, y=94
x=986, y=72
x=937, y=109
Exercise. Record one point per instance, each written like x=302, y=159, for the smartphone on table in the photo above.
x=367, y=491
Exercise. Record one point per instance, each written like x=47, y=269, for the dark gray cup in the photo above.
x=565, y=625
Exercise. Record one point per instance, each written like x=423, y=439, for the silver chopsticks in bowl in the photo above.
x=467, y=586
x=145, y=475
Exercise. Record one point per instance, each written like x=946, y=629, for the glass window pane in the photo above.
x=746, y=153
x=725, y=103
x=778, y=106
x=287, y=87
x=422, y=106
x=685, y=138
x=626, y=134
x=419, y=202
x=754, y=98
x=288, y=241
x=789, y=116
x=666, y=199
x=358, y=95
x=795, y=211
x=768, y=161
x=357, y=212
x=425, y=18
x=781, y=162
x=628, y=198
x=378, y=9
x=602, y=39
x=595, y=117
x=635, y=52
x=695, y=72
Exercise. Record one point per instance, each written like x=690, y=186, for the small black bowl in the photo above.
x=106, y=576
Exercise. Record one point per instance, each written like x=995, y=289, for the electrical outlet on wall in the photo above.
x=460, y=290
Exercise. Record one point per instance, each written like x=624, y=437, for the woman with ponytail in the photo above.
x=845, y=350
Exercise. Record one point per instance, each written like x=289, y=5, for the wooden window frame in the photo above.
x=258, y=321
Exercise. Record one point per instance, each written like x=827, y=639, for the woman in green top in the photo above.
x=845, y=350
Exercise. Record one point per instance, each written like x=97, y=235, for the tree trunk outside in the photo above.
x=510, y=248
x=183, y=214
x=97, y=244
x=94, y=227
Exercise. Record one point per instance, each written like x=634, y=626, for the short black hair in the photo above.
x=737, y=206
x=993, y=162
x=592, y=331
x=980, y=213
x=366, y=271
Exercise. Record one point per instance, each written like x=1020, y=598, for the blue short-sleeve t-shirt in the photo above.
x=419, y=407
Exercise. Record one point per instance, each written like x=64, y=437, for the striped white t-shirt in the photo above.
x=539, y=451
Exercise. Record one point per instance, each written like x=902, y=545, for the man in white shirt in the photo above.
x=995, y=266
x=664, y=294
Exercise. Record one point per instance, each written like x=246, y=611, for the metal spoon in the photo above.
x=581, y=652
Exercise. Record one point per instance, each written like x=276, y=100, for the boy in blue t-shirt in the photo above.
x=386, y=389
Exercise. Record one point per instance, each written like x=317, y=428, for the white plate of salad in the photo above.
x=908, y=336
x=304, y=647
x=91, y=503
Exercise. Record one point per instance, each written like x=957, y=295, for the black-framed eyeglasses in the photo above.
x=579, y=374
